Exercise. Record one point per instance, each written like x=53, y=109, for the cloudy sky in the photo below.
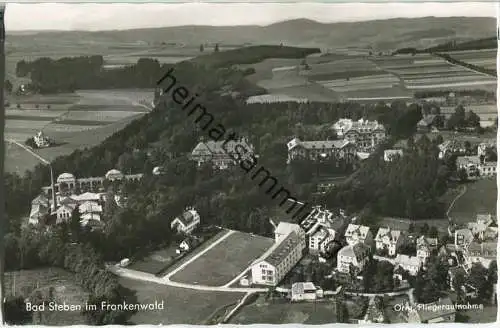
x=57, y=16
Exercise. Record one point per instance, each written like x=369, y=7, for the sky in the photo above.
x=93, y=17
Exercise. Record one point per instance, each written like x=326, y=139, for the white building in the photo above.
x=304, y=291
x=411, y=264
x=187, y=222
x=64, y=213
x=38, y=211
x=285, y=228
x=353, y=256
x=366, y=135
x=425, y=247
x=113, y=175
x=389, y=240
x=358, y=234
x=392, y=154
x=342, y=151
x=284, y=255
x=89, y=218
x=318, y=241
x=463, y=238
x=41, y=140
x=90, y=207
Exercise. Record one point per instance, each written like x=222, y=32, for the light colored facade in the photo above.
x=69, y=182
x=353, y=256
x=425, y=247
x=318, y=241
x=338, y=150
x=389, y=240
x=463, y=238
x=303, y=291
x=38, y=211
x=187, y=222
x=366, y=135
x=392, y=154
x=64, y=213
x=90, y=207
x=222, y=154
x=41, y=140
x=475, y=167
x=411, y=264
x=358, y=234
x=284, y=255
x=285, y=228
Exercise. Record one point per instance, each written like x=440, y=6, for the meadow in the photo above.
x=224, y=261
x=486, y=58
x=480, y=198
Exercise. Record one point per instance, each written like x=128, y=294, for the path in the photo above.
x=29, y=150
x=464, y=190
x=408, y=292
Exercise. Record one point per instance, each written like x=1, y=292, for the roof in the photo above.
x=41, y=199
x=319, y=144
x=362, y=155
x=301, y=287
x=65, y=177
x=38, y=209
x=86, y=196
x=282, y=249
x=440, y=308
x=221, y=148
x=90, y=207
x=344, y=125
x=67, y=201
x=466, y=160
x=65, y=208
x=361, y=231
x=487, y=249
x=427, y=120
x=405, y=260
x=358, y=251
x=392, y=234
x=187, y=217
x=423, y=241
x=285, y=228
x=90, y=216
x=113, y=172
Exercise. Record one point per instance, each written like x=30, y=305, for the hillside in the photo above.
x=379, y=34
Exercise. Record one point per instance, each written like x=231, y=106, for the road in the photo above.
x=29, y=150
x=462, y=192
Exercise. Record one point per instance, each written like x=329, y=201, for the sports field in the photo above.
x=224, y=261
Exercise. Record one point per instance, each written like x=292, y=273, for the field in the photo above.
x=182, y=306
x=480, y=198
x=426, y=72
x=25, y=282
x=77, y=120
x=224, y=261
x=486, y=58
x=285, y=313
x=487, y=113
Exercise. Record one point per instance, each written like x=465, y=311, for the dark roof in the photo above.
x=283, y=249
x=187, y=217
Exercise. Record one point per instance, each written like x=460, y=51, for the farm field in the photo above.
x=486, y=58
x=25, y=282
x=225, y=261
x=480, y=198
x=182, y=306
x=486, y=113
x=285, y=313
x=68, y=118
x=424, y=72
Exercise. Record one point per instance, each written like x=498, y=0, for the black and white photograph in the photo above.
x=242, y=163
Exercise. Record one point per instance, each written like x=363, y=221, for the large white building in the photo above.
x=341, y=151
x=286, y=252
x=366, y=135
x=323, y=227
x=358, y=234
x=222, y=154
x=353, y=257
x=187, y=222
x=41, y=140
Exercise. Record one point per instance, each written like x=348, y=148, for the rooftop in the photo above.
x=440, y=308
x=282, y=249
x=354, y=229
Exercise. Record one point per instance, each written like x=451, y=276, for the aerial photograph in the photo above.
x=249, y=163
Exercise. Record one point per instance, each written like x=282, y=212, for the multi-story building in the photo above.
x=341, y=151
x=284, y=255
x=388, y=240
x=187, y=222
x=366, y=135
x=222, y=154
x=392, y=154
x=463, y=238
x=319, y=241
x=475, y=166
x=483, y=228
x=41, y=140
x=353, y=257
x=425, y=247
x=323, y=227
x=411, y=264
x=358, y=234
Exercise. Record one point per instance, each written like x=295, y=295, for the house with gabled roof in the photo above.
x=388, y=240
x=38, y=211
x=463, y=238
x=425, y=247
x=222, y=154
x=64, y=213
x=364, y=134
x=90, y=207
x=358, y=234
x=187, y=222
x=280, y=259
x=353, y=257
x=411, y=264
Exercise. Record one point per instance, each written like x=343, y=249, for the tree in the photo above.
x=202, y=48
x=462, y=175
x=216, y=48
x=15, y=311
x=8, y=86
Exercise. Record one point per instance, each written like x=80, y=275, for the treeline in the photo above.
x=458, y=93
x=407, y=187
x=450, y=59
x=486, y=43
x=252, y=54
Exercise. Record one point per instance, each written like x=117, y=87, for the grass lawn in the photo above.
x=155, y=262
x=182, y=306
x=488, y=314
x=25, y=282
x=285, y=313
x=18, y=160
x=480, y=197
x=225, y=261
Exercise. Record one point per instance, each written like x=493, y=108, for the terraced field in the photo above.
x=425, y=71
x=72, y=120
x=486, y=58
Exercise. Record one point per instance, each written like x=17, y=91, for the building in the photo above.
x=442, y=310
x=366, y=135
x=484, y=227
x=353, y=257
x=285, y=228
x=90, y=207
x=222, y=154
x=319, y=241
x=463, y=238
x=114, y=175
x=38, y=212
x=41, y=140
x=341, y=151
x=426, y=123
x=411, y=264
x=388, y=240
x=358, y=234
x=476, y=167
x=323, y=227
x=425, y=247
x=90, y=218
x=64, y=213
x=283, y=256
x=305, y=291
x=187, y=222
x=392, y=154
x=483, y=253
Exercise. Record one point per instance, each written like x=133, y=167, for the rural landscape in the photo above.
x=293, y=172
